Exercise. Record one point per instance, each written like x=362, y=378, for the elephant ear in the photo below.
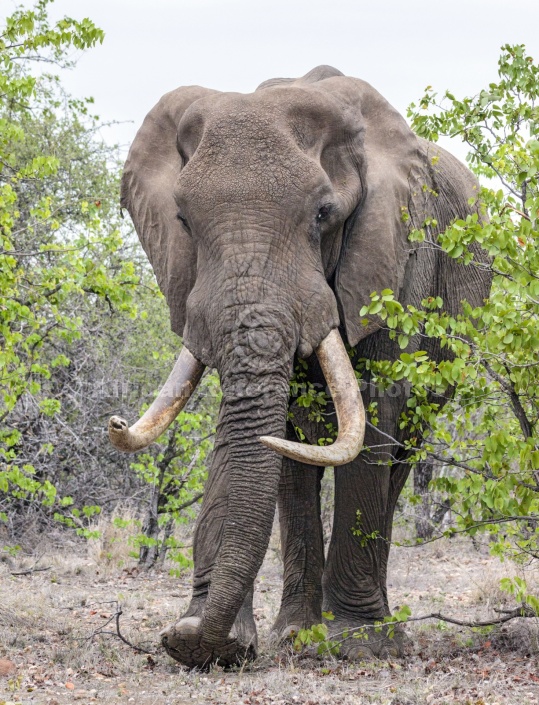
x=147, y=191
x=375, y=246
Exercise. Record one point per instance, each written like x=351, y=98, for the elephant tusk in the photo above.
x=169, y=402
x=344, y=389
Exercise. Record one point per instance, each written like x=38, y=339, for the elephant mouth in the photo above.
x=186, y=374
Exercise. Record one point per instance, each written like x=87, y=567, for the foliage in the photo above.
x=78, y=303
x=53, y=243
x=317, y=634
x=312, y=397
x=486, y=441
x=518, y=588
x=176, y=473
x=362, y=537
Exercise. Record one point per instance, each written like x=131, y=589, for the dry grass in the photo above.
x=49, y=624
x=111, y=548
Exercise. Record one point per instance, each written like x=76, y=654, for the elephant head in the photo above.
x=268, y=218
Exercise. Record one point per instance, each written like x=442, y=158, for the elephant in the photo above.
x=269, y=218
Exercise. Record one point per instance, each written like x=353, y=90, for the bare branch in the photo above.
x=116, y=619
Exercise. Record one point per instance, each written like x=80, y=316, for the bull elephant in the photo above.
x=269, y=218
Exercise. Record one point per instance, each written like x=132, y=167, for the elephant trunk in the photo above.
x=254, y=407
x=253, y=472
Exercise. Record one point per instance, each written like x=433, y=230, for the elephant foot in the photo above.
x=363, y=641
x=183, y=642
x=280, y=635
x=289, y=622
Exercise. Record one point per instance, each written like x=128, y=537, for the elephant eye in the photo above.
x=323, y=213
x=182, y=219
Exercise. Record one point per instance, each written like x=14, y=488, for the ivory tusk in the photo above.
x=169, y=402
x=344, y=389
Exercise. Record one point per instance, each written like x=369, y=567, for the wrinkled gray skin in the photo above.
x=290, y=203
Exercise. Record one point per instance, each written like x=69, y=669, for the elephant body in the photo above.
x=269, y=218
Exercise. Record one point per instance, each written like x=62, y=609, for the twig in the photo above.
x=524, y=611
x=126, y=641
x=33, y=569
x=516, y=211
x=518, y=409
x=453, y=532
x=116, y=618
x=30, y=570
x=189, y=502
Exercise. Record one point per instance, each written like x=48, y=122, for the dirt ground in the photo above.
x=54, y=624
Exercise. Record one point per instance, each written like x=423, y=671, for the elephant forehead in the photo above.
x=246, y=166
x=276, y=118
x=244, y=137
x=264, y=145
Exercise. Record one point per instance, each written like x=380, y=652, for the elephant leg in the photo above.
x=302, y=547
x=354, y=580
x=182, y=639
x=398, y=476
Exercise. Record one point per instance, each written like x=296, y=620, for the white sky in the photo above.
x=153, y=46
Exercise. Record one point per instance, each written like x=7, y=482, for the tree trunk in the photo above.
x=424, y=526
x=148, y=554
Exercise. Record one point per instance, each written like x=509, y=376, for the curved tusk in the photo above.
x=344, y=389
x=169, y=402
